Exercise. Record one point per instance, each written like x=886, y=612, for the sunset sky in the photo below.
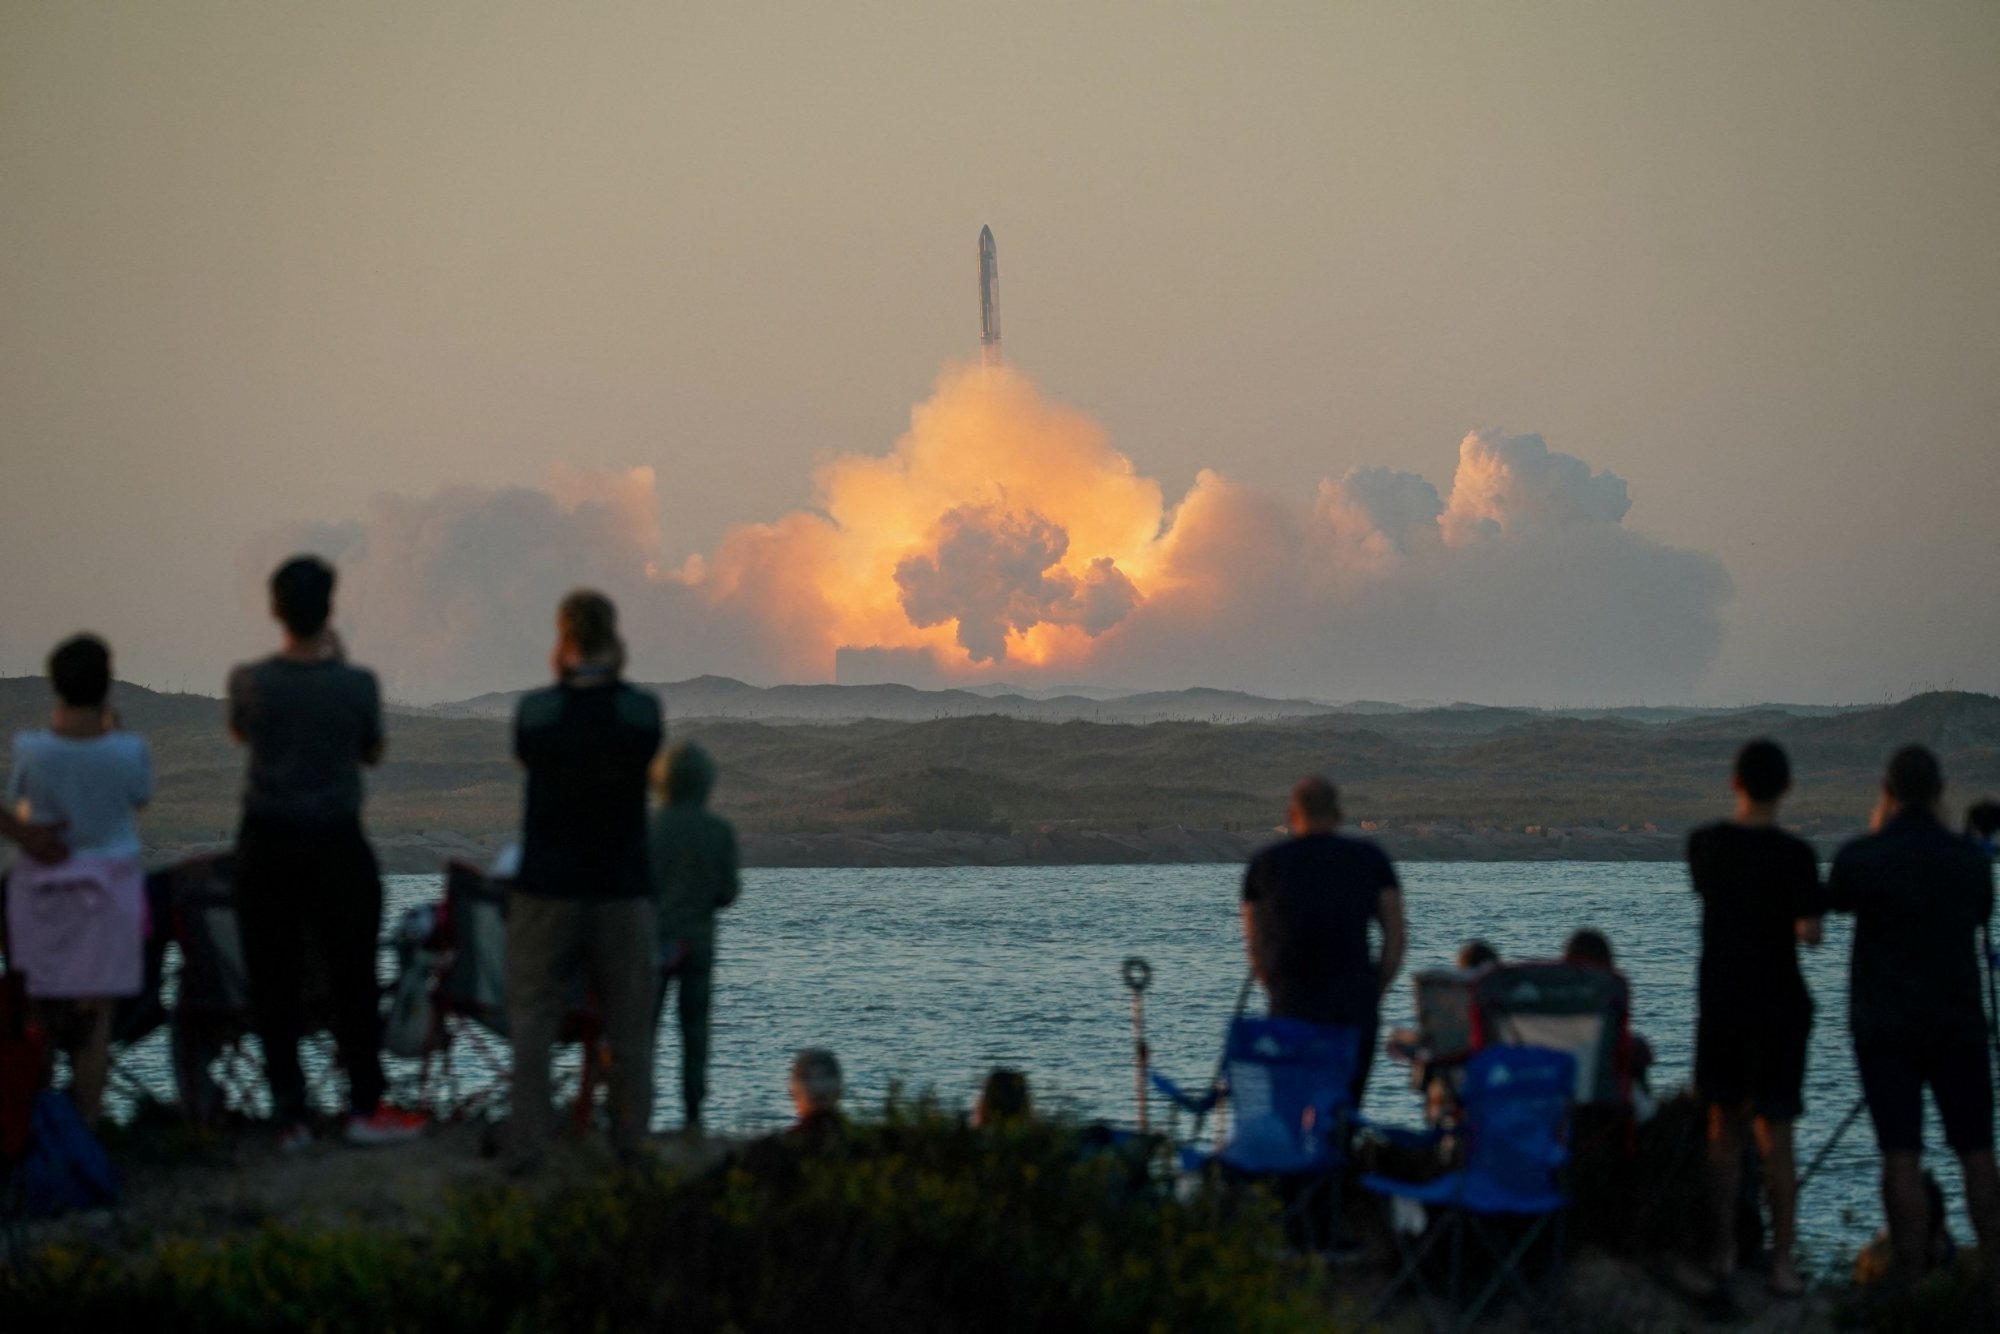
x=401, y=278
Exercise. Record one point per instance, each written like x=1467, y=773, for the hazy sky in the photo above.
x=260, y=264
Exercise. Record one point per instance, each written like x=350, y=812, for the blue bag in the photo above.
x=65, y=1167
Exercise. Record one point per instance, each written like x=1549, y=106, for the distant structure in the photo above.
x=989, y=298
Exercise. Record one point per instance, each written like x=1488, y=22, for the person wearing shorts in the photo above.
x=1919, y=894
x=76, y=928
x=1760, y=898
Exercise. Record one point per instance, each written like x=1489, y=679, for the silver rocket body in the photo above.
x=989, y=298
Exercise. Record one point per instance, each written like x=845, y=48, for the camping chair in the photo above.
x=469, y=1005
x=1570, y=1007
x=216, y=1073
x=1290, y=1086
x=1516, y=1106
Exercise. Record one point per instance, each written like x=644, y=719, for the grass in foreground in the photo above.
x=914, y=1223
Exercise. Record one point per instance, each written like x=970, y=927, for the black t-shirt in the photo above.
x=1312, y=899
x=310, y=726
x=1918, y=893
x=1755, y=882
x=587, y=749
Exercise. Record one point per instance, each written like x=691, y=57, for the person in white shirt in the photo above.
x=76, y=927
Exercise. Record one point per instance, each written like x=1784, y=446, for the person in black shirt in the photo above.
x=1307, y=903
x=1919, y=894
x=584, y=893
x=307, y=885
x=1760, y=897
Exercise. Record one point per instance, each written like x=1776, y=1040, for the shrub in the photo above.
x=912, y=1223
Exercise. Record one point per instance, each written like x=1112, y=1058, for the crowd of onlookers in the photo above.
x=625, y=893
x=1921, y=895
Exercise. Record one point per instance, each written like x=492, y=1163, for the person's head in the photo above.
x=686, y=773
x=587, y=632
x=1003, y=1098
x=1314, y=807
x=1588, y=946
x=816, y=1084
x=1477, y=954
x=80, y=672
x=1762, y=773
x=302, y=595
x=1914, y=780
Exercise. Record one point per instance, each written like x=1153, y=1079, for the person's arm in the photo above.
x=38, y=842
x=373, y=742
x=235, y=707
x=1389, y=912
x=1250, y=943
x=1252, y=889
x=1810, y=902
x=732, y=881
x=1842, y=892
x=142, y=775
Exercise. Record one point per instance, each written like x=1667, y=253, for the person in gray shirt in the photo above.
x=307, y=886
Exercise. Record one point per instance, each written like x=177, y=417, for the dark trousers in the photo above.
x=693, y=978
x=610, y=941
x=309, y=905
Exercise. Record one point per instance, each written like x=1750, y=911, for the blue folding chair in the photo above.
x=1290, y=1086
x=1516, y=1104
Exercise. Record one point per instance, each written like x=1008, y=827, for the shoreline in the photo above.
x=1156, y=845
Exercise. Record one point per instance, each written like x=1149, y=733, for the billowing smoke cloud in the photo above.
x=991, y=574
x=1003, y=537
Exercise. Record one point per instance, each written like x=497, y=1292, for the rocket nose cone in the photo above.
x=985, y=236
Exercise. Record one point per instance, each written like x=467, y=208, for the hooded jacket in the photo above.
x=693, y=853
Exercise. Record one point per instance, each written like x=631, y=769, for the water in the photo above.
x=928, y=977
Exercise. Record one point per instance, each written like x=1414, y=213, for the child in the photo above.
x=694, y=875
x=77, y=927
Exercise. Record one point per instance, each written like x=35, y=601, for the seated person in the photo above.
x=1003, y=1100
x=1475, y=954
x=1588, y=946
x=816, y=1088
x=1592, y=949
x=1442, y=1038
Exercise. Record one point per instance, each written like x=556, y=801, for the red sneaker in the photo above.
x=386, y=1125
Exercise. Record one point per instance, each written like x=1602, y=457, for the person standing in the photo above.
x=583, y=895
x=1919, y=894
x=308, y=889
x=693, y=854
x=1760, y=899
x=1307, y=904
x=77, y=927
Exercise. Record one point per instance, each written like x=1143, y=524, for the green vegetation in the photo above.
x=913, y=1223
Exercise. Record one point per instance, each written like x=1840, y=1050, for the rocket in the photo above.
x=989, y=298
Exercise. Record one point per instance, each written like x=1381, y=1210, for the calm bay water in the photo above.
x=928, y=977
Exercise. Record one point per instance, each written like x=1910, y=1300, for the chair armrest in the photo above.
x=1401, y=1137
x=1180, y=1097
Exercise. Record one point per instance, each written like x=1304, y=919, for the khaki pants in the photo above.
x=611, y=942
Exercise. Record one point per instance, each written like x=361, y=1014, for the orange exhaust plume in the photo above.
x=1002, y=528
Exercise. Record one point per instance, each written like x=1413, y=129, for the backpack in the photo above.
x=23, y=1069
x=65, y=1167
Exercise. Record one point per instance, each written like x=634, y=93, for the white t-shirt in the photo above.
x=97, y=785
